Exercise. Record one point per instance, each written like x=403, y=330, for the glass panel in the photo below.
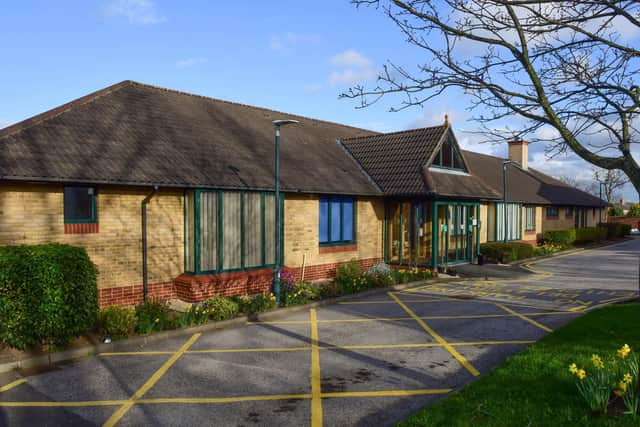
x=208, y=231
x=393, y=232
x=442, y=228
x=446, y=154
x=270, y=228
x=406, y=233
x=424, y=221
x=457, y=160
x=347, y=220
x=336, y=223
x=252, y=229
x=231, y=229
x=324, y=220
x=189, y=238
x=78, y=203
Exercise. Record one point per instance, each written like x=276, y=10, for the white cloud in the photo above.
x=350, y=67
x=287, y=41
x=136, y=11
x=190, y=62
x=312, y=88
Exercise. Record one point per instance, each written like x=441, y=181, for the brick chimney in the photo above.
x=519, y=153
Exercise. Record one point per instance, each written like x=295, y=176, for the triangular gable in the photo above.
x=448, y=154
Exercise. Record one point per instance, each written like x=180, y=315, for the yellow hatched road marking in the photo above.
x=12, y=385
x=248, y=350
x=460, y=358
x=525, y=318
x=116, y=416
x=62, y=404
x=316, y=388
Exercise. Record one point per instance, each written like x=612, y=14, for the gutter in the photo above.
x=145, y=272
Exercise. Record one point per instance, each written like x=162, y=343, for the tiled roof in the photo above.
x=136, y=134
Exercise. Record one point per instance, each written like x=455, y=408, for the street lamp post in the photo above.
x=276, y=270
x=504, y=197
x=600, y=210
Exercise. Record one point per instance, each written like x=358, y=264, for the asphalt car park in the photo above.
x=368, y=360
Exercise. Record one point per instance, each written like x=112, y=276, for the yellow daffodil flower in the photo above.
x=618, y=393
x=597, y=361
x=581, y=374
x=573, y=368
x=623, y=386
x=624, y=351
x=627, y=378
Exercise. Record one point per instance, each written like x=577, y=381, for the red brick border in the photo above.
x=338, y=248
x=86, y=228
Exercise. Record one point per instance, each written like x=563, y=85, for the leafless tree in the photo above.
x=568, y=68
x=612, y=181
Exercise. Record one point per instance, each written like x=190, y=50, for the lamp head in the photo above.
x=284, y=122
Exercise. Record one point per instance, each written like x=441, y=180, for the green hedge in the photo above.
x=48, y=294
x=506, y=252
x=590, y=234
x=560, y=237
x=615, y=230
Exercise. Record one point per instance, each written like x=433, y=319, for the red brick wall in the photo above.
x=633, y=221
x=326, y=271
x=132, y=295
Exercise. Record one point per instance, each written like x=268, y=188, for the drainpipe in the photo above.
x=145, y=273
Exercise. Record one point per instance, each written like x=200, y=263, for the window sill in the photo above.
x=337, y=248
x=530, y=232
x=81, y=228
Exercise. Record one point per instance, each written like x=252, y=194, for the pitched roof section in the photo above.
x=527, y=186
x=136, y=134
x=395, y=160
x=398, y=163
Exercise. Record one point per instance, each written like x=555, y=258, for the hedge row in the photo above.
x=615, y=230
x=572, y=236
x=506, y=252
x=48, y=294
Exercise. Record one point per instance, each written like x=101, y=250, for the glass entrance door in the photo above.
x=457, y=232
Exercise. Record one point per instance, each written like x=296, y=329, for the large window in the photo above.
x=530, y=218
x=513, y=221
x=552, y=212
x=568, y=213
x=80, y=205
x=337, y=220
x=448, y=156
x=228, y=230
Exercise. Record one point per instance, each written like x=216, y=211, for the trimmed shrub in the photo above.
x=296, y=293
x=590, y=234
x=506, y=252
x=221, y=308
x=195, y=315
x=255, y=304
x=615, y=230
x=152, y=315
x=117, y=321
x=48, y=294
x=560, y=237
x=347, y=273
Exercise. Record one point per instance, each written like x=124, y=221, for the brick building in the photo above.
x=78, y=174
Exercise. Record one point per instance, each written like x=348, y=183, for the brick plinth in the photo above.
x=326, y=271
x=198, y=288
x=132, y=295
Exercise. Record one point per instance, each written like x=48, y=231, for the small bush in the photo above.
x=634, y=210
x=615, y=211
x=48, y=294
x=562, y=238
x=117, y=321
x=297, y=293
x=380, y=276
x=590, y=234
x=195, y=315
x=506, y=252
x=256, y=304
x=221, y=308
x=330, y=290
x=152, y=315
x=616, y=230
x=347, y=273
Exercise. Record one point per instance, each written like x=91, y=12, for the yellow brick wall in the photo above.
x=32, y=214
x=484, y=222
x=301, y=228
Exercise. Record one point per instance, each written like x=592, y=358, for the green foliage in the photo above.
x=347, y=273
x=546, y=249
x=297, y=293
x=411, y=275
x=506, y=252
x=330, y=290
x=634, y=210
x=256, y=304
x=48, y=294
x=152, y=315
x=615, y=211
x=562, y=238
x=616, y=230
x=221, y=308
x=117, y=321
x=195, y=315
x=590, y=234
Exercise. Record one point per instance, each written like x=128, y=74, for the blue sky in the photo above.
x=294, y=56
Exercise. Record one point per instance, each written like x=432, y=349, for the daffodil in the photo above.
x=597, y=361
x=573, y=368
x=618, y=393
x=623, y=386
x=627, y=378
x=581, y=374
x=624, y=351
x=157, y=320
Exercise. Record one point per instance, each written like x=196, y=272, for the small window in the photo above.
x=552, y=212
x=530, y=218
x=80, y=205
x=448, y=157
x=569, y=212
x=336, y=220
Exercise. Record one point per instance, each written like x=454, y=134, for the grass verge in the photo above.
x=535, y=388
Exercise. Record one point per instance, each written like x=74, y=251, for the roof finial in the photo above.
x=446, y=120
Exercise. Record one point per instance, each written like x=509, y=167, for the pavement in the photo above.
x=369, y=360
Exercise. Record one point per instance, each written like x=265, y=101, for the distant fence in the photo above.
x=633, y=221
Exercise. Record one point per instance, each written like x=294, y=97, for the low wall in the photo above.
x=633, y=221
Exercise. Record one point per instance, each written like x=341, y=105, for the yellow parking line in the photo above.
x=525, y=318
x=116, y=416
x=12, y=385
x=249, y=350
x=460, y=358
x=316, y=388
x=62, y=404
x=389, y=393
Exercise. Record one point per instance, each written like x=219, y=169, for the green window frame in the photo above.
x=216, y=201
x=332, y=210
x=529, y=218
x=448, y=157
x=568, y=213
x=70, y=194
x=552, y=212
x=514, y=219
